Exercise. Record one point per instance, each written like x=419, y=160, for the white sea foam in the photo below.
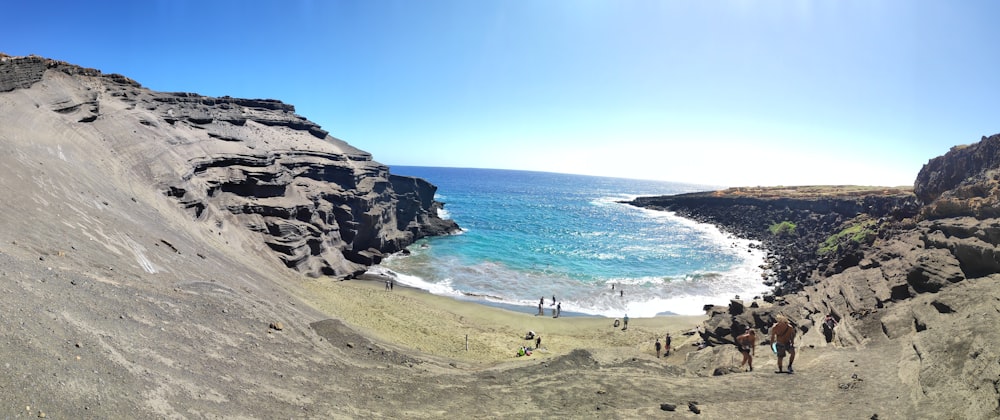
x=490, y=281
x=500, y=261
x=442, y=288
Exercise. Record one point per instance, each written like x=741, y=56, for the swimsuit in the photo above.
x=784, y=339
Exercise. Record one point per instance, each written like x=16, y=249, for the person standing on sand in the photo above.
x=626, y=322
x=747, y=344
x=667, y=346
x=387, y=285
x=538, y=342
x=657, y=345
x=784, y=335
x=392, y=284
x=558, y=309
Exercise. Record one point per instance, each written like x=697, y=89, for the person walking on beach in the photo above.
x=625, y=320
x=392, y=284
x=747, y=344
x=784, y=335
x=558, y=309
x=667, y=345
x=538, y=342
x=387, y=285
x=657, y=345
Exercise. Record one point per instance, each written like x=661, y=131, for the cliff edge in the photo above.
x=145, y=272
x=916, y=274
x=321, y=206
x=963, y=182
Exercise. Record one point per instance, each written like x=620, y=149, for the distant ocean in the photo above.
x=532, y=235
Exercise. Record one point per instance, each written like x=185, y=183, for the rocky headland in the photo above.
x=918, y=267
x=794, y=224
x=323, y=208
x=172, y=255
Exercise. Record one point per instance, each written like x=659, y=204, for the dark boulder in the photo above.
x=735, y=307
x=693, y=406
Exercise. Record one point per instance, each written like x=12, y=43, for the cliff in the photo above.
x=964, y=182
x=322, y=207
x=144, y=270
x=914, y=273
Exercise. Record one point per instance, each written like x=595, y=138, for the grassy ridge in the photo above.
x=812, y=191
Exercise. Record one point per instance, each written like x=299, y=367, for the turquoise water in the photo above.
x=529, y=235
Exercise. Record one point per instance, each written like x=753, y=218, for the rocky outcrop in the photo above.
x=962, y=165
x=321, y=206
x=20, y=73
x=23, y=72
x=963, y=182
x=817, y=214
x=910, y=249
x=927, y=277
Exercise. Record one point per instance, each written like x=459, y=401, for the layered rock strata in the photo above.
x=927, y=280
x=322, y=206
x=964, y=182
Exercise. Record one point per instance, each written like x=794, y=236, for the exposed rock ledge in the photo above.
x=923, y=272
x=817, y=212
x=322, y=206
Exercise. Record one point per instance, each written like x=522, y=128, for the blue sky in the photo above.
x=727, y=93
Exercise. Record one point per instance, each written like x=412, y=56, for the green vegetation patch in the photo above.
x=784, y=228
x=859, y=231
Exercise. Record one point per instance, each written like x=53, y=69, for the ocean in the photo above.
x=529, y=236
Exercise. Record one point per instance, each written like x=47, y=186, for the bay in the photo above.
x=531, y=236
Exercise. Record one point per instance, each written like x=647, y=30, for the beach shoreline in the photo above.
x=411, y=319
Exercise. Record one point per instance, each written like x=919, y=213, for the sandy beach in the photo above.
x=413, y=319
x=131, y=290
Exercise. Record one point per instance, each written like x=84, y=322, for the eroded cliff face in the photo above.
x=963, y=182
x=320, y=205
x=928, y=282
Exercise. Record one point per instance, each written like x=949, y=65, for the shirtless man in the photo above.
x=747, y=344
x=784, y=335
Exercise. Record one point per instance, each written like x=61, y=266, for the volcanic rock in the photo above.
x=149, y=236
x=322, y=206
